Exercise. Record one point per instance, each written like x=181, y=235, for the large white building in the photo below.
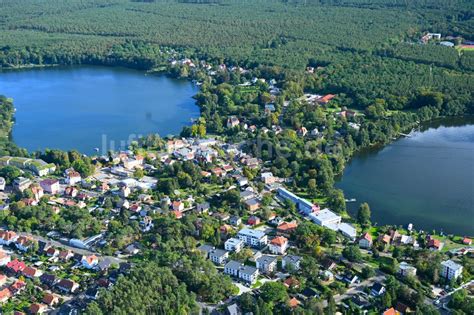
x=326, y=218
x=253, y=238
x=450, y=269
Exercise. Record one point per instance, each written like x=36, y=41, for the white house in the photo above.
x=218, y=256
x=2, y=183
x=266, y=264
x=254, y=238
x=50, y=186
x=248, y=274
x=278, y=245
x=72, y=177
x=450, y=269
x=232, y=268
x=7, y=237
x=234, y=245
x=406, y=269
x=291, y=260
x=4, y=258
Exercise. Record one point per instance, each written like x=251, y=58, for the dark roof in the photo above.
x=308, y=292
x=377, y=287
x=47, y=278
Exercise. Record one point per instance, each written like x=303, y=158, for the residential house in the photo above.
x=377, y=289
x=21, y=183
x=405, y=269
x=178, y=206
x=434, y=244
x=17, y=286
x=365, y=241
x=466, y=241
x=203, y=207
x=2, y=184
x=232, y=122
x=234, y=245
x=248, y=274
x=253, y=220
x=92, y=293
x=65, y=255
x=302, y=131
x=177, y=214
x=89, y=262
x=384, y=239
x=450, y=269
x=37, y=308
x=218, y=256
x=391, y=311
x=67, y=286
x=252, y=204
x=254, y=238
x=71, y=191
x=266, y=264
x=205, y=250
x=235, y=220
x=291, y=283
x=50, y=186
x=48, y=279
x=246, y=195
x=291, y=262
x=350, y=278
x=25, y=243
x=242, y=181
x=4, y=258
x=72, y=177
x=50, y=299
x=293, y=303
x=233, y=309
x=105, y=264
x=52, y=252
x=325, y=99
x=268, y=178
x=31, y=272
x=286, y=228
x=278, y=245
x=5, y=295
x=37, y=191
x=232, y=268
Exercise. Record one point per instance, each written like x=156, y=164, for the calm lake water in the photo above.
x=84, y=107
x=427, y=180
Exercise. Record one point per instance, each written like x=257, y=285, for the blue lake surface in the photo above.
x=94, y=107
x=427, y=179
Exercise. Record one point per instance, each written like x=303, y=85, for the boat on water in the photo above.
x=351, y=200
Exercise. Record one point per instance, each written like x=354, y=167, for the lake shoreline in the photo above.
x=412, y=180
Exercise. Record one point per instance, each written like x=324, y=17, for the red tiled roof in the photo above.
x=279, y=241
x=287, y=226
x=16, y=265
x=391, y=311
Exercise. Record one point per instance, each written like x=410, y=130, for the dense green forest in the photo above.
x=368, y=48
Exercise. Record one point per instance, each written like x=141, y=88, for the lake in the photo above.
x=427, y=179
x=94, y=107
